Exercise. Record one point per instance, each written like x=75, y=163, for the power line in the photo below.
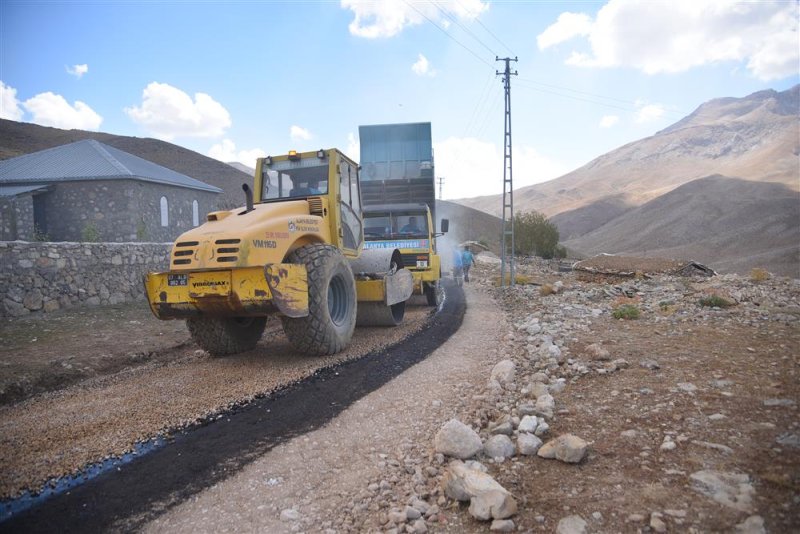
x=462, y=45
x=478, y=20
x=477, y=110
x=467, y=30
x=632, y=106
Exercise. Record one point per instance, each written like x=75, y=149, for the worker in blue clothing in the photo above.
x=458, y=267
x=467, y=260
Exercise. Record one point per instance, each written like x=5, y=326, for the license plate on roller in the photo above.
x=210, y=283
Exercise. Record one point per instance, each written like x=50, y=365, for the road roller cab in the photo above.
x=294, y=250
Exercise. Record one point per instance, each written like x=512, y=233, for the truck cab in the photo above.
x=410, y=229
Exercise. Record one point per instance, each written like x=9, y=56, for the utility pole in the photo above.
x=441, y=181
x=507, y=238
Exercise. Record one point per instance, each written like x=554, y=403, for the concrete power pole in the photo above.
x=507, y=239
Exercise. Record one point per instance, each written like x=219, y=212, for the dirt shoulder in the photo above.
x=58, y=433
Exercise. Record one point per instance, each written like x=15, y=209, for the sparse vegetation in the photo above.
x=626, y=311
x=535, y=234
x=518, y=279
x=757, y=274
x=90, y=233
x=546, y=289
x=715, y=301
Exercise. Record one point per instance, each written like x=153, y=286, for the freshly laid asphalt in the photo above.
x=199, y=457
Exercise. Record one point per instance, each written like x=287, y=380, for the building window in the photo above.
x=164, y=212
x=195, y=213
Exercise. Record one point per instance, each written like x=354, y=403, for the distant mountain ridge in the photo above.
x=601, y=205
x=18, y=138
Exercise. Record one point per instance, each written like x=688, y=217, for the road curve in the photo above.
x=193, y=460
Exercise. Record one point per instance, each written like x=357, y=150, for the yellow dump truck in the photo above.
x=295, y=250
x=397, y=180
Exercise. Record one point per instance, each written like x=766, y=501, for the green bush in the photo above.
x=715, y=301
x=90, y=233
x=39, y=235
x=626, y=311
x=534, y=234
x=141, y=231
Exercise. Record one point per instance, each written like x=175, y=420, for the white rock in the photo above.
x=566, y=447
x=500, y=446
x=290, y=514
x=528, y=444
x=752, y=525
x=668, y=446
x=558, y=386
x=502, y=525
x=504, y=372
x=657, y=523
x=545, y=405
x=528, y=424
x=412, y=513
x=417, y=527
x=538, y=389
x=688, y=387
x=730, y=489
x=628, y=433
x=458, y=440
x=488, y=499
x=554, y=352
x=573, y=524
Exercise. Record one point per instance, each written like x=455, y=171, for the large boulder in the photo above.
x=457, y=440
x=499, y=446
x=488, y=499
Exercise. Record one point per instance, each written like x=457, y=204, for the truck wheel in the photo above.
x=222, y=336
x=433, y=294
x=331, y=302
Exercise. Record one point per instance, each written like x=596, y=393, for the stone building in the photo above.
x=89, y=191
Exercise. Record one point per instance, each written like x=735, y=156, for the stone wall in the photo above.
x=120, y=210
x=16, y=217
x=44, y=277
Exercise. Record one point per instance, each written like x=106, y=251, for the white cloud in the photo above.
x=677, y=35
x=423, y=67
x=9, y=105
x=297, y=133
x=78, y=70
x=567, y=26
x=386, y=18
x=648, y=112
x=608, y=121
x=471, y=167
x=226, y=151
x=49, y=109
x=167, y=112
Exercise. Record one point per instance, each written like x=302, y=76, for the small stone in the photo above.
x=545, y=405
x=500, y=446
x=418, y=527
x=597, y=516
x=528, y=424
x=528, y=444
x=526, y=408
x=716, y=417
x=504, y=372
x=650, y=364
x=688, y=387
x=488, y=499
x=567, y=448
x=503, y=428
x=538, y=389
x=412, y=513
x=729, y=489
x=778, y=402
x=290, y=514
x=628, y=433
x=668, y=446
x=597, y=352
x=458, y=440
x=635, y=518
x=542, y=430
x=752, y=525
x=656, y=523
x=502, y=525
x=573, y=524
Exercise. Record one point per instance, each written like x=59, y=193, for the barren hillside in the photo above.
x=753, y=138
x=18, y=138
x=755, y=225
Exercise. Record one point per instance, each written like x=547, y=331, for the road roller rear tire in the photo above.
x=223, y=336
x=331, y=318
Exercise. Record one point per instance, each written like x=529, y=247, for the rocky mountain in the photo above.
x=18, y=138
x=601, y=206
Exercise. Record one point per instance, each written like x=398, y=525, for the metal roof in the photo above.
x=14, y=190
x=90, y=160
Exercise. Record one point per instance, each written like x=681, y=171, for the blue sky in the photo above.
x=248, y=78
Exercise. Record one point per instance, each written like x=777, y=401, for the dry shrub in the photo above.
x=546, y=289
x=757, y=274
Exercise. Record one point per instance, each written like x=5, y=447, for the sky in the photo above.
x=243, y=79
